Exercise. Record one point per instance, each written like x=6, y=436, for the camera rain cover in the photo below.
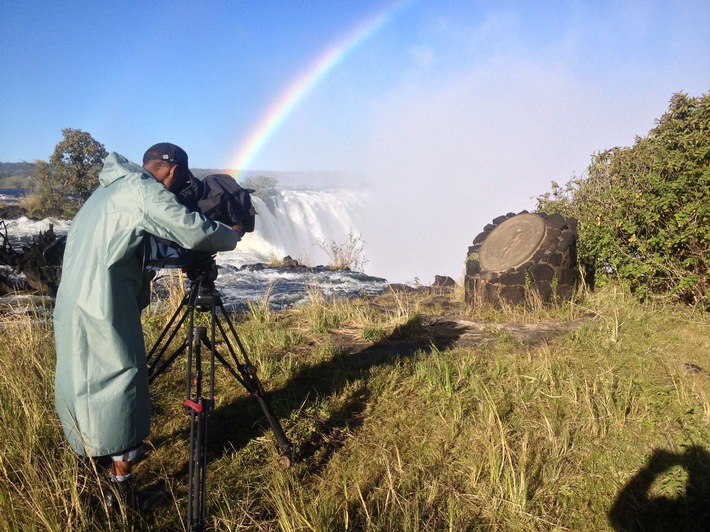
x=222, y=199
x=218, y=197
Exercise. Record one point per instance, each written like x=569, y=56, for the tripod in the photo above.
x=203, y=297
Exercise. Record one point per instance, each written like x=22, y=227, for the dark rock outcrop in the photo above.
x=39, y=261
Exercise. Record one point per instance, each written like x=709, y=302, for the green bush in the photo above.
x=644, y=210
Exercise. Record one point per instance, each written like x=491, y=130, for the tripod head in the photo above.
x=201, y=269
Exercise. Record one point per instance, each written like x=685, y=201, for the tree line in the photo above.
x=61, y=185
x=20, y=171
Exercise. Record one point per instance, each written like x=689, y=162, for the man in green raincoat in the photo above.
x=101, y=388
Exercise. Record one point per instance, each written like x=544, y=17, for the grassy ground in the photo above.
x=408, y=412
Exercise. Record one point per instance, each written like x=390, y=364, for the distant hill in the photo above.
x=25, y=169
x=17, y=169
x=16, y=175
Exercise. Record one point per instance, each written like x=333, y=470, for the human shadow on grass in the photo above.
x=231, y=426
x=688, y=508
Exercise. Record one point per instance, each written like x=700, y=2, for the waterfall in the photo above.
x=292, y=221
x=298, y=222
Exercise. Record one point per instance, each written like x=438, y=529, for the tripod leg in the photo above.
x=248, y=378
x=156, y=371
x=286, y=448
x=196, y=499
x=197, y=407
x=166, y=330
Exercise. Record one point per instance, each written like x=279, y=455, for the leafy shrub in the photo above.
x=15, y=182
x=33, y=205
x=71, y=175
x=349, y=255
x=76, y=162
x=644, y=210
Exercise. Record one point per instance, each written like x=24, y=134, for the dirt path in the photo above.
x=447, y=327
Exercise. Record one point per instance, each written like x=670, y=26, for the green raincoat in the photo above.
x=101, y=386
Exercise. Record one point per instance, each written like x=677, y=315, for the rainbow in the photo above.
x=289, y=99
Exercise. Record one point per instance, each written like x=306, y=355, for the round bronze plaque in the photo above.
x=511, y=243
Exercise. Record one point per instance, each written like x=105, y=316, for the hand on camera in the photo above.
x=239, y=229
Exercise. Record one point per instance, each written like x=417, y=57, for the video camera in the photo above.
x=218, y=197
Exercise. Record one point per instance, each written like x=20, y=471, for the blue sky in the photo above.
x=458, y=110
x=202, y=73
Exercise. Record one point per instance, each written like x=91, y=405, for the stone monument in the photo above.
x=521, y=252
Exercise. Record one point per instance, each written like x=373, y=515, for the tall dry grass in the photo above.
x=507, y=435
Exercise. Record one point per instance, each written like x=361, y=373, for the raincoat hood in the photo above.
x=116, y=166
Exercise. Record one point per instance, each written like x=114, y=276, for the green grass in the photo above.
x=611, y=418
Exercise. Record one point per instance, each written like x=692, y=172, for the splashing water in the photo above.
x=297, y=223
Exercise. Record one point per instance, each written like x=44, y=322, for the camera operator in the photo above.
x=101, y=391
